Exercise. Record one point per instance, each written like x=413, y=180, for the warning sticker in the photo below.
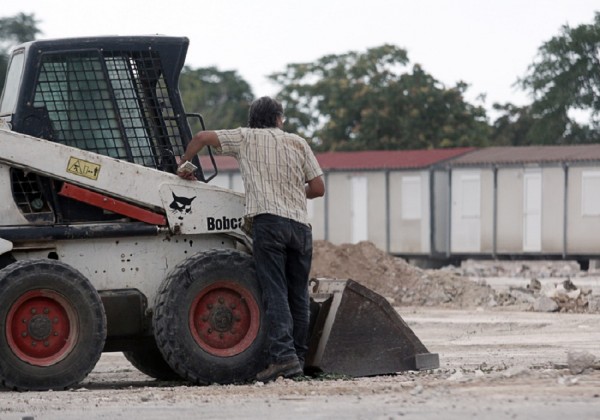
x=83, y=168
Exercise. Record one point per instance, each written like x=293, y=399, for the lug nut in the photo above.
x=221, y=300
x=33, y=311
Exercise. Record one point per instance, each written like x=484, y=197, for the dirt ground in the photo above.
x=505, y=352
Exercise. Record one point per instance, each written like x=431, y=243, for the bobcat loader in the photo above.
x=104, y=248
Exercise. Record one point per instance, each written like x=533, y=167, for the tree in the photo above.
x=222, y=97
x=13, y=31
x=564, y=80
x=359, y=101
x=512, y=126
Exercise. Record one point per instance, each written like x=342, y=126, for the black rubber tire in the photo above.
x=6, y=260
x=50, y=308
x=151, y=362
x=213, y=281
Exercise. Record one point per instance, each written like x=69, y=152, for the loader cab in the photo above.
x=117, y=96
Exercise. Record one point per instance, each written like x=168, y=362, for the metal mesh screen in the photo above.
x=115, y=103
x=27, y=193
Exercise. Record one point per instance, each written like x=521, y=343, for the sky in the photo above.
x=488, y=44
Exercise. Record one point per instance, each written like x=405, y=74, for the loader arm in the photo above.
x=190, y=207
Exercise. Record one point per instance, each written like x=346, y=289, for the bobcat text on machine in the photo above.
x=104, y=248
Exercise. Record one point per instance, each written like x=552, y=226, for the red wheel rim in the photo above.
x=41, y=327
x=224, y=319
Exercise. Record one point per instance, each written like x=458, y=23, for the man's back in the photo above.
x=275, y=167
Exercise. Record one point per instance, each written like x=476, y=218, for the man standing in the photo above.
x=280, y=172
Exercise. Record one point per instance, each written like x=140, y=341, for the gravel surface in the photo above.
x=496, y=364
x=499, y=360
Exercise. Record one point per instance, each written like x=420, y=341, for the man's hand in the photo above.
x=187, y=175
x=186, y=170
x=315, y=188
x=200, y=140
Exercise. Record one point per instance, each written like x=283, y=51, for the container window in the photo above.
x=590, y=193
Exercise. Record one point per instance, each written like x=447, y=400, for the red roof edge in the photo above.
x=364, y=160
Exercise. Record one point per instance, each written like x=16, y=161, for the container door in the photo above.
x=359, y=209
x=466, y=211
x=532, y=211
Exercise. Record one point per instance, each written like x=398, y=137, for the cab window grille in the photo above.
x=115, y=103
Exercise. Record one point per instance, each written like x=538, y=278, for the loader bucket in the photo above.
x=357, y=333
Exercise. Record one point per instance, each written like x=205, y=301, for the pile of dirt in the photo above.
x=395, y=279
x=449, y=287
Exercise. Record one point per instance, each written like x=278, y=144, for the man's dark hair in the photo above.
x=264, y=112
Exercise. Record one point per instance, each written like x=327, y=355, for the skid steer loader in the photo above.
x=104, y=248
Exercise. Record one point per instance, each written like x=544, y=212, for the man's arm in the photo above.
x=200, y=140
x=315, y=187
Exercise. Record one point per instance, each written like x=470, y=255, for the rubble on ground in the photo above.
x=580, y=361
x=454, y=287
x=526, y=269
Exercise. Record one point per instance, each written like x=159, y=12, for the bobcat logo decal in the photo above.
x=181, y=205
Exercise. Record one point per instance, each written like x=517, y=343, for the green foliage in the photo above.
x=369, y=101
x=18, y=29
x=221, y=97
x=13, y=31
x=512, y=126
x=566, y=78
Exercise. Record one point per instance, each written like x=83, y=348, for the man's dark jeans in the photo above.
x=283, y=254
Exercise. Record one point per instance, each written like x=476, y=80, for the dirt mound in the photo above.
x=448, y=287
x=394, y=278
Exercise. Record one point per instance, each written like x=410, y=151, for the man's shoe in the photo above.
x=287, y=369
